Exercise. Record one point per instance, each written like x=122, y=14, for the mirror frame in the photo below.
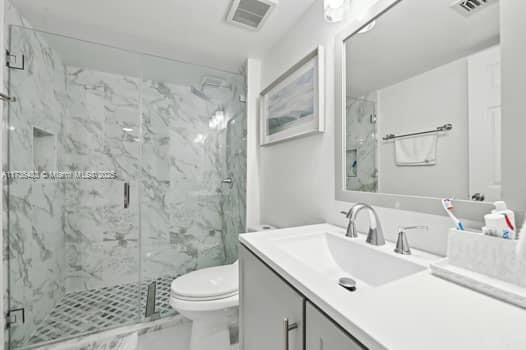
x=465, y=209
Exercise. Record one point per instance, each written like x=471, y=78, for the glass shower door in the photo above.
x=128, y=170
x=194, y=169
x=72, y=188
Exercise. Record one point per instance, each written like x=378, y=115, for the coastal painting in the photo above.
x=291, y=106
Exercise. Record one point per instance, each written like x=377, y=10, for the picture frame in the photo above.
x=293, y=105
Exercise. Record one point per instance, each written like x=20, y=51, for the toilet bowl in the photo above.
x=206, y=297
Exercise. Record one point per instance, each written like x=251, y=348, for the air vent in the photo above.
x=250, y=14
x=469, y=7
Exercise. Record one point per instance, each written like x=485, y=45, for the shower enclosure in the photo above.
x=361, y=144
x=123, y=171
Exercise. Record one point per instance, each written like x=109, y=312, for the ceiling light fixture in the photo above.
x=334, y=10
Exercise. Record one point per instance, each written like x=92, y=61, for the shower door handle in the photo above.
x=126, y=195
x=228, y=181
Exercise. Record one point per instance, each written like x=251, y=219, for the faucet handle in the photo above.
x=351, y=227
x=402, y=244
x=415, y=227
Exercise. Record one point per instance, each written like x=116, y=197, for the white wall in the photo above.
x=513, y=107
x=297, y=177
x=253, y=182
x=424, y=102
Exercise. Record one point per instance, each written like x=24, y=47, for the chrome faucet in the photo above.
x=375, y=235
x=402, y=245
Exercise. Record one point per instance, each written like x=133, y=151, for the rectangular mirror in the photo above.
x=421, y=102
x=422, y=67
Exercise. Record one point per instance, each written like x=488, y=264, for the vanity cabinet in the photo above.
x=321, y=333
x=267, y=304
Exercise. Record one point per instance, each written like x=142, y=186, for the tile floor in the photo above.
x=96, y=309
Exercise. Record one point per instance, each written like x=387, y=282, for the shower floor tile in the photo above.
x=97, y=309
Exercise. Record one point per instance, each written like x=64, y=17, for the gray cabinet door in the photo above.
x=323, y=334
x=265, y=302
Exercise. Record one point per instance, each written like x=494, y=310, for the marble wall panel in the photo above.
x=34, y=231
x=102, y=132
x=189, y=219
x=173, y=143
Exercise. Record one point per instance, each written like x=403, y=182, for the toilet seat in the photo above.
x=209, y=284
x=186, y=306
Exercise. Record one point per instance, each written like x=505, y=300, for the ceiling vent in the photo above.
x=250, y=14
x=469, y=7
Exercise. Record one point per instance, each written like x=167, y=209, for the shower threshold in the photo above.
x=95, y=310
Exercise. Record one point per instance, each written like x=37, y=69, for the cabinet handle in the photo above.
x=287, y=328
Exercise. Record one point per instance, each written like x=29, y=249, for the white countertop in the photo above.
x=418, y=312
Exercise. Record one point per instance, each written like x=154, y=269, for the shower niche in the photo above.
x=44, y=150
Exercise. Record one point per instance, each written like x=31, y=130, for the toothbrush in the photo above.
x=508, y=222
x=447, y=203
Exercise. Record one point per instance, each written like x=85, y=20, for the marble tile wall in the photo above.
x=234, y=212
x=173, y=143
x=189, y=218
x=101, y=132
x=35, y=207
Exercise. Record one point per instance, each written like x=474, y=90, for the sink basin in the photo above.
x=336, y=256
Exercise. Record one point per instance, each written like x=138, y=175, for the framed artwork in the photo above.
x=293, y=105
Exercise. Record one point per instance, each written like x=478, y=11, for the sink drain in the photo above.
x=347, y=283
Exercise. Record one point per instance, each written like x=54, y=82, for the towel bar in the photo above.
x=445, y=127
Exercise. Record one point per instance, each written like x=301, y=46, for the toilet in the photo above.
x=205, y=296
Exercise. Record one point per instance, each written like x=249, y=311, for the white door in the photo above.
x=484, y=93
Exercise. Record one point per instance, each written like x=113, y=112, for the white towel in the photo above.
x=416, y=150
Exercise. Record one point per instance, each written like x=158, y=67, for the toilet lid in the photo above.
x=207, y=284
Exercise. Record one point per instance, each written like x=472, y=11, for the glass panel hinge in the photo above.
x=15, y=317
x=15, y=61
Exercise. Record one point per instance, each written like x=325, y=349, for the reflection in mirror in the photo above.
x=423, y=103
